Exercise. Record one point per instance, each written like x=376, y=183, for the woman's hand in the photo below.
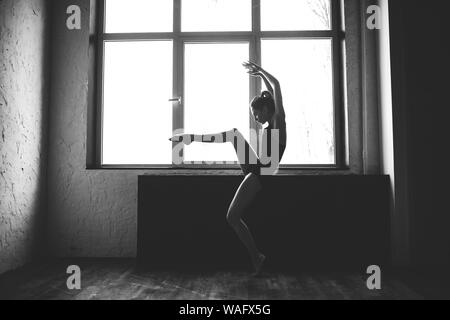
x=184, y=138
x=252, y=68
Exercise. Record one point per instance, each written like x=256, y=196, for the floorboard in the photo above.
x=104, y=279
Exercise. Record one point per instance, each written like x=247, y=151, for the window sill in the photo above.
x=231, y=171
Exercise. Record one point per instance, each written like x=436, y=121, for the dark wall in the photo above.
x=420, y=84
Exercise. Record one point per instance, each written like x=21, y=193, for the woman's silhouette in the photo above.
x=267, y=108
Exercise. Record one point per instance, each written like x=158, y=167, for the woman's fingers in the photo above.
x=255, y=66
x=248, y=64
x=251, y=69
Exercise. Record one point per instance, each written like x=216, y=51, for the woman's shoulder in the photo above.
x=279, y=123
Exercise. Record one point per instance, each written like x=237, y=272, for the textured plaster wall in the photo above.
x=92, y=213
x=23, y=130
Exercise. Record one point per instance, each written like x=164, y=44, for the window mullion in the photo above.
x=177, y=16
x=177, y=107
x=255, y=56
x=99, y=83
x=339, y=130
x=256, y=16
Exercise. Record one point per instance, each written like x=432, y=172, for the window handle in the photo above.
x=177, y=99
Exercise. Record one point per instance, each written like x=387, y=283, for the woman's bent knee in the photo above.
x=232, y=218
x=254, y=179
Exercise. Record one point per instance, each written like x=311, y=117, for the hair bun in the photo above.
x=266, y=94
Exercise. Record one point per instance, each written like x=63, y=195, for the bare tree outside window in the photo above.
x=321, y=9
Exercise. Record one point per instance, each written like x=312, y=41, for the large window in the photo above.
x=170, y=66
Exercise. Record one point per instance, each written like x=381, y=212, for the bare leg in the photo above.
x=246, y=192
x=243, y=197
x=247, y=157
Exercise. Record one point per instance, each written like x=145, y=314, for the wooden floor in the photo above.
x=119, y=279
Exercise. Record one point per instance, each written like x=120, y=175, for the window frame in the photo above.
x=179, y=38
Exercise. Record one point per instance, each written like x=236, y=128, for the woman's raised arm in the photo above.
x=272, y=84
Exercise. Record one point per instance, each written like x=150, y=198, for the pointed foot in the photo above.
x=259, y=264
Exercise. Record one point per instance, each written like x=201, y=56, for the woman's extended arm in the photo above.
x=268, y=84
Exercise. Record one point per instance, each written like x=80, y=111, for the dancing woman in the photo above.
x=266, y=108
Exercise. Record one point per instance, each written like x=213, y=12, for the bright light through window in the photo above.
x=137, y=117
x=295, y=15
x=216, y=96
x=138, y=16
x=304, y=70
x=149, y=58
x=216, y=15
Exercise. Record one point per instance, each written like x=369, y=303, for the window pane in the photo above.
x=216, y=15
x=216, y=96
x=138, y=16
x=137, y=117
x=282, y=15
x=304, y=69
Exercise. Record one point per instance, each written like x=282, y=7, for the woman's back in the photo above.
x=273, y=143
